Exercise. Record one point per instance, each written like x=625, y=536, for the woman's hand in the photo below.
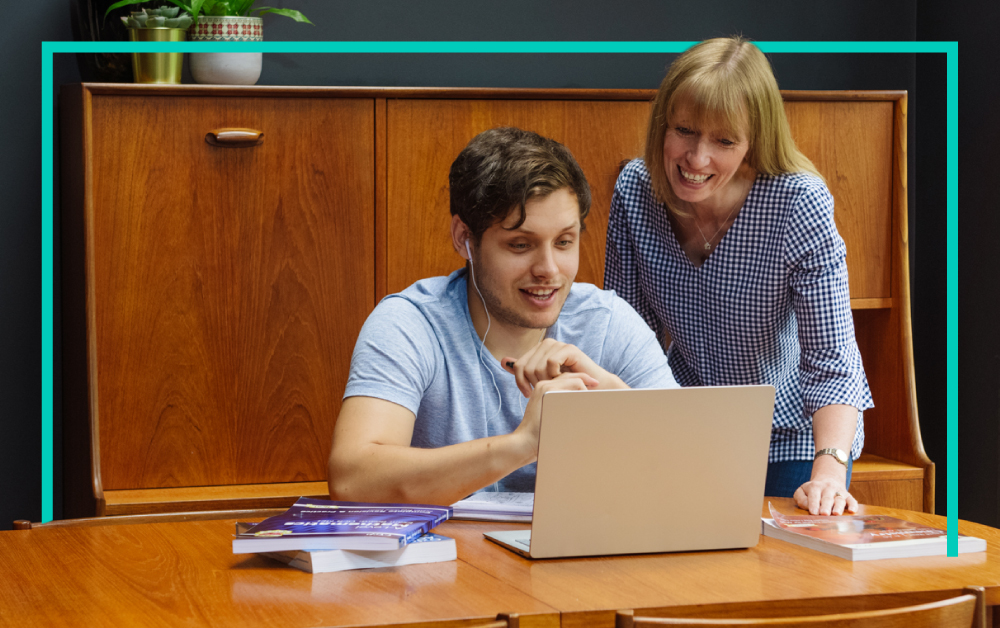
x=826, y=492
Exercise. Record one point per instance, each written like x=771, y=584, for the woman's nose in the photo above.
x=697, y=154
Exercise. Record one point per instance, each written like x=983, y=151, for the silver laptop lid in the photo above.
x=635, y=471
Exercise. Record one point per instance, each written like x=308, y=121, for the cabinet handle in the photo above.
x=234, y=138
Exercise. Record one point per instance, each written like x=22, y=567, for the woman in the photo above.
x=723, y=238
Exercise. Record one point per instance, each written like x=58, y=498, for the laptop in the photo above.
x=641, y=471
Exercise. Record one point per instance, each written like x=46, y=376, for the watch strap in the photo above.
x=838, y=454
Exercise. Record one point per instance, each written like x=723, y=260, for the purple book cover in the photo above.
x=318, y=517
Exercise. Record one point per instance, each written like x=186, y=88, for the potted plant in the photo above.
x=226, y=20
x=162, y=24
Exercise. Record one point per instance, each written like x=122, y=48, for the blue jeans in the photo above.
x=783, y=478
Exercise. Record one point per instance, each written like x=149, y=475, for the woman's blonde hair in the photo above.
x=728, y=81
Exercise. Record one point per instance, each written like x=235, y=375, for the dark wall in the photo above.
x=20, y=169
x=979, y=226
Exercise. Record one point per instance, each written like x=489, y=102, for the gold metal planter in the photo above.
x=157, y=67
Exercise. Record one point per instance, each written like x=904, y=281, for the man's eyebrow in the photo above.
x=521, y=230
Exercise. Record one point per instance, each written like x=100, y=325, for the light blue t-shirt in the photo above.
x=420, y=350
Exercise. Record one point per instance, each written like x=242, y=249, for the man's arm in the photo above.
x=372, y=461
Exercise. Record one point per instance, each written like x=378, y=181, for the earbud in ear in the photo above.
x=468, y=250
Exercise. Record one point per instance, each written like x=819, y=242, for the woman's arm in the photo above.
x=833, y=381
x=826, y=491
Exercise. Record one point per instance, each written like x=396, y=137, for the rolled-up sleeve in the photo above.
x=830, y=365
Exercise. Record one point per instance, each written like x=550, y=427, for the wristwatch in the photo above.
x=839, y=454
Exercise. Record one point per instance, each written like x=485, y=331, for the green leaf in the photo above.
x=242, y=7
x=195, y=9
x=295, y=15
x=219, y=8
x=184, y=6
x=120, y=4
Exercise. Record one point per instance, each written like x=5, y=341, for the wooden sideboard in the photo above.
x=212, y=295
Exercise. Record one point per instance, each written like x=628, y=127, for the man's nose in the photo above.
x=545, y=262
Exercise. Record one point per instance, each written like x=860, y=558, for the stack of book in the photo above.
x=319, y=536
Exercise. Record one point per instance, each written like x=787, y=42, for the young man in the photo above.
x=447, y=377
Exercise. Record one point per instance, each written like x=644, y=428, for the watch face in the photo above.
x=839, y=454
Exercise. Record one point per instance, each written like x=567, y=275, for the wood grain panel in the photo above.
x=887, y=428
x=590, y=590
x=224, y=326
x=198, y=498
x=851, y=144
x=872, y=467
x=425, y=136
x=185, y=574
x=906, y=494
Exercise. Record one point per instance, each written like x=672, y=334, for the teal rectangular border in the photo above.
x=949, y=48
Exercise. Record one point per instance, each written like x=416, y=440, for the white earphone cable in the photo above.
x=496, y=485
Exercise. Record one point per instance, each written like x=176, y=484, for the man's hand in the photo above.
x=527, y=431
x=549, y=359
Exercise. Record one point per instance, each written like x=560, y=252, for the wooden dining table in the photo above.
x=185, y=574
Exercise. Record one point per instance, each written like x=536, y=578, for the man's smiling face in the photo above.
x=525, y=274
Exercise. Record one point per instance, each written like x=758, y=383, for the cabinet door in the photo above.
x=226, y=285
x=425, y=136
x=851, y=144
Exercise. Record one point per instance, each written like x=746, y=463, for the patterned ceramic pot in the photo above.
x=226, y=68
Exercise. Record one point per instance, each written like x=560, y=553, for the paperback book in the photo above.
x=864, y=537
x=318, y=524
x=487, y=506
x=429, y=548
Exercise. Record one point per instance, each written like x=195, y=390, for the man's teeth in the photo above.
x=540, y=293
x=695, y=178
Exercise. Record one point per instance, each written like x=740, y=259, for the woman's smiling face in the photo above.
x=701, y=158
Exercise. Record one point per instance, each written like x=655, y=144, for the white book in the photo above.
x=429, y=548
x=495, y=507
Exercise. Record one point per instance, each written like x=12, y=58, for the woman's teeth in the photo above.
x=695, y=178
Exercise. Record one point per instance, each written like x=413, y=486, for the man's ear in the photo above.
x=460, y=236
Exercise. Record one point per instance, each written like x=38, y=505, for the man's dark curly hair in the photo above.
x=502, y=168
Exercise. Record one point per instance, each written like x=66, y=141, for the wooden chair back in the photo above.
x=967, y=610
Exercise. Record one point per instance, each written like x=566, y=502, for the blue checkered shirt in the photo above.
x=770, y=305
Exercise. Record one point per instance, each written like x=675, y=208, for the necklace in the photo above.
x=708, y=241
